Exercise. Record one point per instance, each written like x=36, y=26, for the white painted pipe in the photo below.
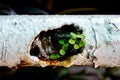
x=102, y=36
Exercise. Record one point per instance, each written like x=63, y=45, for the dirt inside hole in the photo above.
x=59, y=43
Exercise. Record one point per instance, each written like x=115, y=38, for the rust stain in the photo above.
x=64, y=63
x=24, y=62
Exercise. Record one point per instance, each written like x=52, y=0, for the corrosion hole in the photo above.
x=35, y=51
x=59, y=43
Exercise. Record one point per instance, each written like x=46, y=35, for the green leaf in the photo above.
x=65, y=46
x=71, y=41
x=54, y=56
x=76, y=46
x=81, y=36
x=62, y=52
x=61, y=41
x=74, y=36
x=81, y=44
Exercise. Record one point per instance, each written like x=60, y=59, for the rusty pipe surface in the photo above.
x=102, y=39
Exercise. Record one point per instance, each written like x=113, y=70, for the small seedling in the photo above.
x=71, y=41
x=61, y=41
x=62, y=52
x=76, y=46
x=65, y=46
x=81, y=44
x=74, y=36
x=81, y=36
x=54, y=56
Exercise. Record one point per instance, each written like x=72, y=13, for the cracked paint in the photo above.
x=95, y=39
x=108, y=37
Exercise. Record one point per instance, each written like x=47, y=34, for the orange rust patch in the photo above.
x=24, y=62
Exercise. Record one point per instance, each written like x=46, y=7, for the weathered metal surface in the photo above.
x=102, y=36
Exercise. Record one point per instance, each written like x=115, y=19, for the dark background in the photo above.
x=60, y=6
x=59, y=73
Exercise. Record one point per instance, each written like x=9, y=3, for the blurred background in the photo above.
x=51, y=7
x=39, y=7
x=59, y=73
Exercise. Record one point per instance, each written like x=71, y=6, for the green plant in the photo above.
x=65, y=46
x=71, y=41
x=62, y=52
x=61, y=41
x=76, y=46
x=81, y=44
x=75, y=40
x=74, y=36
x=54, y=56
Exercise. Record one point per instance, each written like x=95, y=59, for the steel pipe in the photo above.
x=102, y=39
